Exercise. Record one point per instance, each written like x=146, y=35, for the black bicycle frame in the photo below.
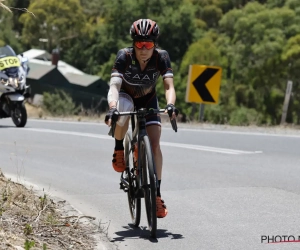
x=138, y=132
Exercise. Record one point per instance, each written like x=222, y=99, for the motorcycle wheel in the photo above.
x=19, y=115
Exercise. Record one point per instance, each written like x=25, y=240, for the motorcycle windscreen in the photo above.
x=7, y=51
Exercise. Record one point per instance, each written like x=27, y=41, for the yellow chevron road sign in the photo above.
x=203, y=84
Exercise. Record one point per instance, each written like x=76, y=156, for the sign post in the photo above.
x=201, y=112
x=286, y=101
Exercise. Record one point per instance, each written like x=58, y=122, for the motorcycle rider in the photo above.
x=24, y=63
x=13, y=90
x=22, y=70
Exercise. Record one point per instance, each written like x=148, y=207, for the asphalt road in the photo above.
x=224, y=189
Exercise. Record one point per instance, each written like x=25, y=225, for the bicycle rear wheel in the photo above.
x=149, y=184
x=133, y=202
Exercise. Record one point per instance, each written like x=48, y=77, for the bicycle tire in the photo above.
x=149, y=184
x=133, y=202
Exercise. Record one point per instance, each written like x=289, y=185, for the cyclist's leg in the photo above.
x=120, y=131
x=153, y=126
x=154, y=132
x=125, y=103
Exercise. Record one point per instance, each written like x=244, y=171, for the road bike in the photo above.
x=139, y=178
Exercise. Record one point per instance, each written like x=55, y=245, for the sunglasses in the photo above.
x=140, y=45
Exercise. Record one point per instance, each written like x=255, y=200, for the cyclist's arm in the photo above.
x=170, y=90
x=114, y=89
x=166, y=72
x=116, y=78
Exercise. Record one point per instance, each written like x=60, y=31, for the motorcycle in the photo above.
x=13, y=88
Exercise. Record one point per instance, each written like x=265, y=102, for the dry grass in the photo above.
x=34, y=112
x=40, y=113
x=30, y=221
x=4, y=6
x=9, y=8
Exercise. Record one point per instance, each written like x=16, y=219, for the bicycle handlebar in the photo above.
x=143, y=112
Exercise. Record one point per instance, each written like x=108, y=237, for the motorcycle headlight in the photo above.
x=13, y=82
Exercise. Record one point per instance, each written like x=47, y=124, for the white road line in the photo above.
x=201, y=130
x=210, y=149
x=240, y=132
x=107, y=137
x=168, y=144
x=69, y=122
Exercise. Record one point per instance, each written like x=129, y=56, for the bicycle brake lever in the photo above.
x=112, y=130
x=174, y=124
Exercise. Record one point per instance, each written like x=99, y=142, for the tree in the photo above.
x=54, y=20
x=255, y=41
x=258, y=37
x=112, y=32
x=204, y=51
x=275, y=3
x=211, y=14
x=93, y=9
x=228, y=5
x=7, y=34
x=20, y=6
x=291, y=57
x=177, y=31
x=293, y=4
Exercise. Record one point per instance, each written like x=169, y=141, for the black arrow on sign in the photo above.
x=201, y=81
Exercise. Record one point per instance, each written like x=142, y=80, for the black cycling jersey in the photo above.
x=138, y=83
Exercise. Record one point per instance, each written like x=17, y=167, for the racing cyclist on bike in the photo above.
x=132, y=85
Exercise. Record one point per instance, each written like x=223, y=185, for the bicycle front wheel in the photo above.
x=149, y=184
x=133, y=202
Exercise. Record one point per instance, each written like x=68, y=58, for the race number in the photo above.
x=9, y=61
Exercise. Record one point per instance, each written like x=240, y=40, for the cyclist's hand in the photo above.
x=172, y=111
x=111, y=115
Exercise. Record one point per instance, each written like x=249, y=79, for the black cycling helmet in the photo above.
x=144, y=29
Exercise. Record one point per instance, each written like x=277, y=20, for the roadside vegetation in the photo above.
x=29, y=220
x=256, y=42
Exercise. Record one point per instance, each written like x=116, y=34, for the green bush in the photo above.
x=244, y=116
x=59, y=103
x=216, y=114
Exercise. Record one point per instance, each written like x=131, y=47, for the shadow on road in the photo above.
x=132, y=232
x=7, y=126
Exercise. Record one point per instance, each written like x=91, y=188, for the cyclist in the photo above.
x=132, y=84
